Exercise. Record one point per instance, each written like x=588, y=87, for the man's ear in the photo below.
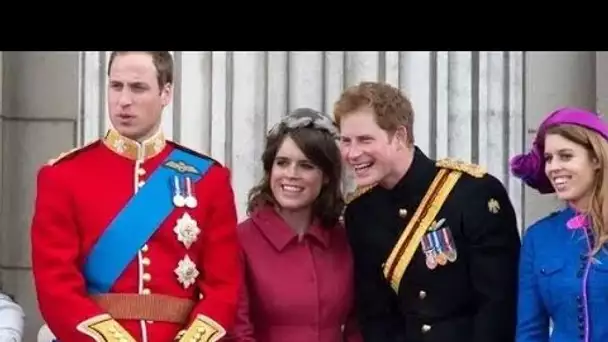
x=400, y=136
x=166, y=94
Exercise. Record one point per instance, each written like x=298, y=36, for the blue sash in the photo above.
x=138, y=220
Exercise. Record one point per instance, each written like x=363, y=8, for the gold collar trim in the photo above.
x=132, y=149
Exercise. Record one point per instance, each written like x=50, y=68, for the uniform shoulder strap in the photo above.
x=193, y=152
x=360, y=190
x=474, y=170
x=71, y=153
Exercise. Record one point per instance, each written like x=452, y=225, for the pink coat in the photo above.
x=296, y=291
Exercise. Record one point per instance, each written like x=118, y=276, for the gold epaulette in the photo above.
x=360, y=190
x=474, y=170
x=62, y=155
x=104, y=328
x=202, y=329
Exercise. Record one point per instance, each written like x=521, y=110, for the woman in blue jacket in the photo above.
x=564, y=256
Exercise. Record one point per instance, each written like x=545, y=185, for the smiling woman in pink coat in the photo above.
x=297, y=262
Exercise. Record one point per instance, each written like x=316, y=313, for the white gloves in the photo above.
x=11, y=320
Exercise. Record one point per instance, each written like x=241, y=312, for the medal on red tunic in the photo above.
x=178, y=198
x=190, y=200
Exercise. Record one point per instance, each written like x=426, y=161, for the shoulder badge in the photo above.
x=474, y=170
x=69, y=153
x=191, y=151
x=493, y=206
x=360, y=190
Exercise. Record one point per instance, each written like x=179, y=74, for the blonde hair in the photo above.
x=597, y=147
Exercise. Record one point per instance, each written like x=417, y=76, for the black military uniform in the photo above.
x=471, y=298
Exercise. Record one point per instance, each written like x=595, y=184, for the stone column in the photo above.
x=39, y=115
x=601, y=75
x=552, y=80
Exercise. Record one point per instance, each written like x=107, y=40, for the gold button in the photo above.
x=144, y=248
x=426, y=328
x=146, y=291
x=145, y=261
x=146, y=277
x=422, y=294
x=141, y=172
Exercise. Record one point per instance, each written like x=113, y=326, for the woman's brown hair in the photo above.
x=597, y=147
x=314, y=134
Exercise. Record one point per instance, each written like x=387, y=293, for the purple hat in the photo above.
x=530, y=167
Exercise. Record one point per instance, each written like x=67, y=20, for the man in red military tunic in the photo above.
x=134, y=236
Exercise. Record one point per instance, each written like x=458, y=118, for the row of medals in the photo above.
x=186, y=229
x=183, y=192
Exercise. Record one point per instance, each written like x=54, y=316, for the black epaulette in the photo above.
x=191, y=151
x=72, y=153
x=474, y=170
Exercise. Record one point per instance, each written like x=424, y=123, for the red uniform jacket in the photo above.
x=78, y=197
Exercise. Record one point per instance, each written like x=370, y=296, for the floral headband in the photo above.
x=305, y=117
